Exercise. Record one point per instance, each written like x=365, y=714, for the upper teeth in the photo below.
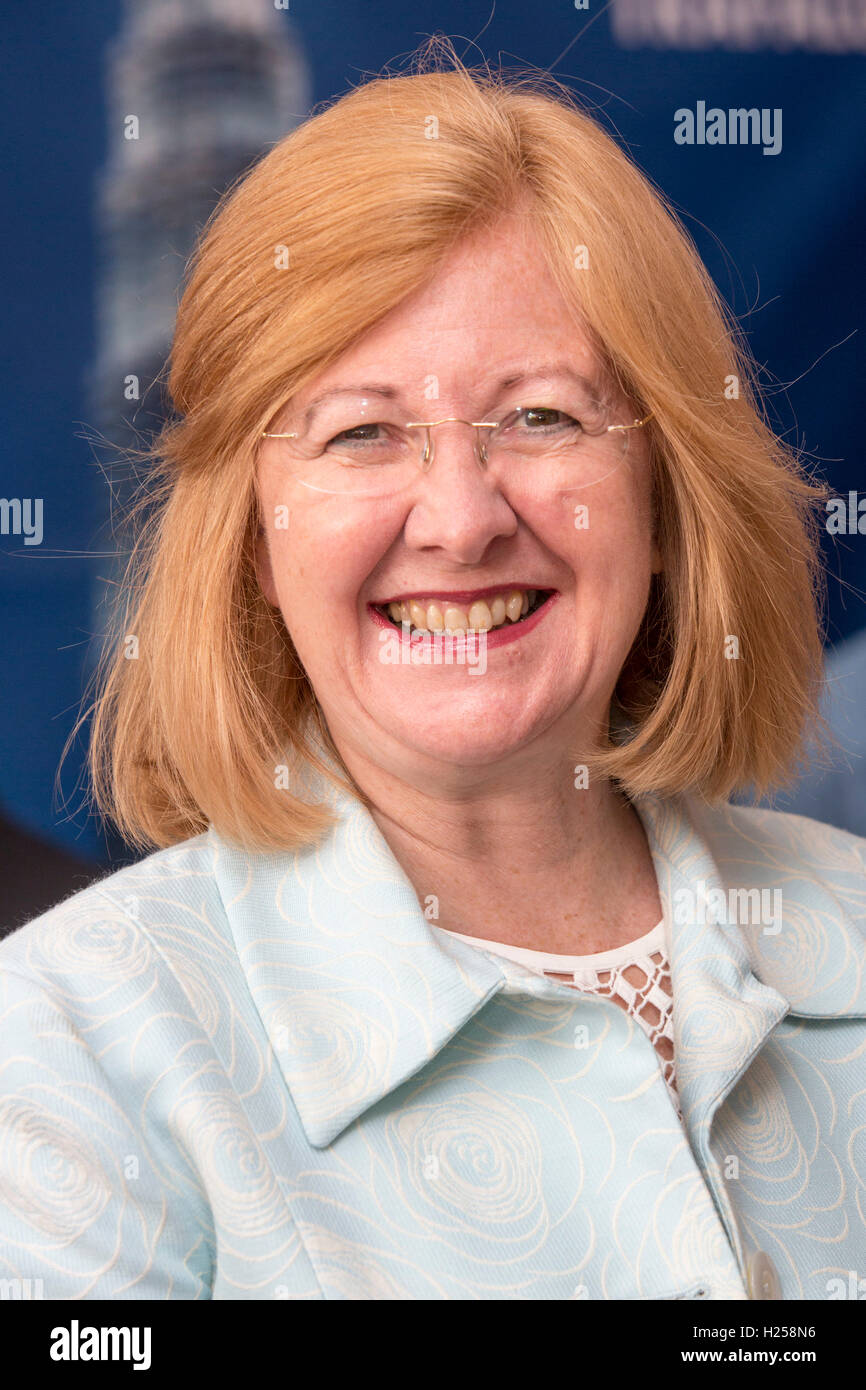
x=437, y=615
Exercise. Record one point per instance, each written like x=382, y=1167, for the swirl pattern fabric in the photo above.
x=253, y=1076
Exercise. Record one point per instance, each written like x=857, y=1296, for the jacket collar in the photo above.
x=357, y=992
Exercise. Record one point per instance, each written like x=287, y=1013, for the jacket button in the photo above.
x=763, y=1277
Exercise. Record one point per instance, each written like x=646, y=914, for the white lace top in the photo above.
x=635, y=976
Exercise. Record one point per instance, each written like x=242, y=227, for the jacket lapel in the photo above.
x=355, y=990
x=722, y=1011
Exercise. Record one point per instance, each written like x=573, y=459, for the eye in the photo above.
x=369, y=444
x=358, y=434
x=536, y=418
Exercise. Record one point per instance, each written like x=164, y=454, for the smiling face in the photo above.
x=461, y=545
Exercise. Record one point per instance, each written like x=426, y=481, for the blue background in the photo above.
x=782, y=235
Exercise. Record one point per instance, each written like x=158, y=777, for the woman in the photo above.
x=475, y=586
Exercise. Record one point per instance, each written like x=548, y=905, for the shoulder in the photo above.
x=782, y=841
x=816, y=872
x=793, y=891
x=106, y=1026
x=117, y=916
x=754, y=842
x=148, y=943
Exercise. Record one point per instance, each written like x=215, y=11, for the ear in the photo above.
x=264, y=568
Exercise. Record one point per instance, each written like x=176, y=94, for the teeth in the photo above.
x=481, y=615
x=417, y=614
x=514, y=605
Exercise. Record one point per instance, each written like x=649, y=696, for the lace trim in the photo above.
x=643, y=990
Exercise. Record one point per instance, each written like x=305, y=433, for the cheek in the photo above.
x=611, y=554
x=322, y=550
x=604, y=531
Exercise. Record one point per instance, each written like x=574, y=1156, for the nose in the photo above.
x=457, y=505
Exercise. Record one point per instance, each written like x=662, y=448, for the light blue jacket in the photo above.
x=239, y=1076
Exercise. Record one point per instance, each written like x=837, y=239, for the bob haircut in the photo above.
x=339, y=222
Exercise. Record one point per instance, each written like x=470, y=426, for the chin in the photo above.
x=467, y=727
x=461, y=751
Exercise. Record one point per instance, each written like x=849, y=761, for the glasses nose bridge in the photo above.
x=428, y=450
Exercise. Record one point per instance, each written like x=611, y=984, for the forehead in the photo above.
x=493, y=309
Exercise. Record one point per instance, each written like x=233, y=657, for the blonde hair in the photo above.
x=365, y=199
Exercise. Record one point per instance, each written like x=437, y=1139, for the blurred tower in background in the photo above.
x=197, y=90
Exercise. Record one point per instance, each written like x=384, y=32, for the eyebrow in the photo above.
x=391, y=393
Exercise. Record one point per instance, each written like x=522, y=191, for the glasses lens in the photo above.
x=557, y=449
x=349, y=450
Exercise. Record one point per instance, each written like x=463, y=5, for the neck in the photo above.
x=515, y=853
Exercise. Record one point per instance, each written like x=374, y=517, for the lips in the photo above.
x=508, y=631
